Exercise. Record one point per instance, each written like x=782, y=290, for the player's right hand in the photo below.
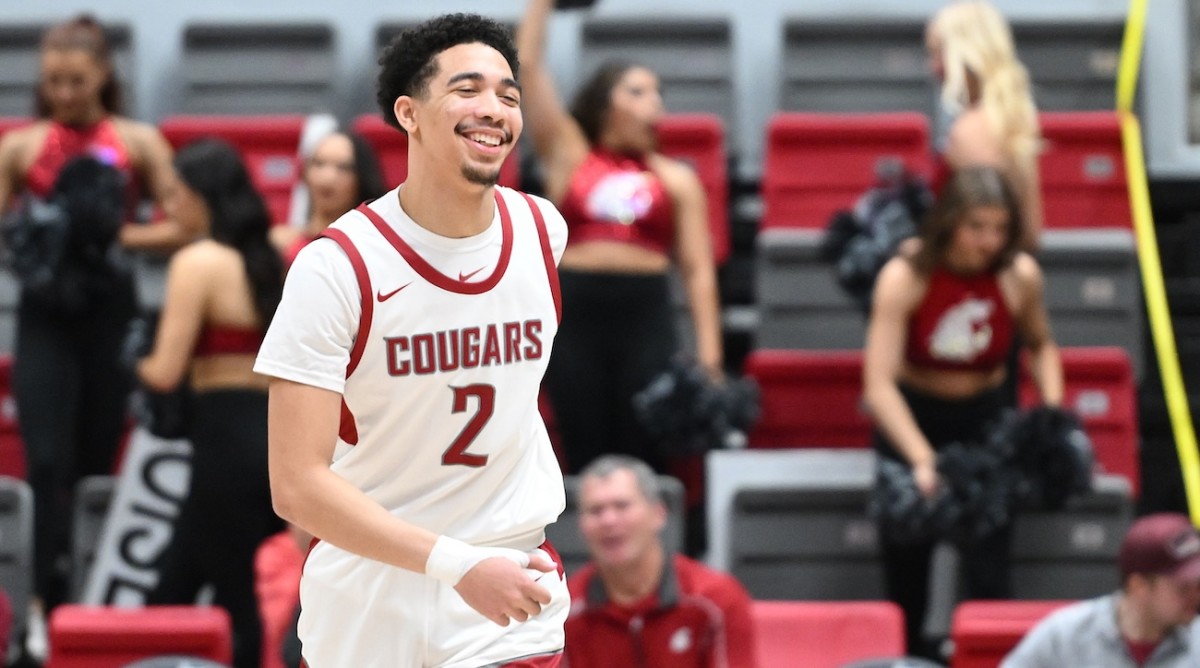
x=501, y=590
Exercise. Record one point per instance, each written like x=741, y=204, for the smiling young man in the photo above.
x=636, y=605
x=406, y=358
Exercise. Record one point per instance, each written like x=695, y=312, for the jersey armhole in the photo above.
x=547, y=254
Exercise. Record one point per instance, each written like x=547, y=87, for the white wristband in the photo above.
x=450, y=559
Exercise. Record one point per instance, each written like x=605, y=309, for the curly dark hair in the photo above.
x=410, y=60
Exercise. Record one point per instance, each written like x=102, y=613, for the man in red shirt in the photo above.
x=636, y=605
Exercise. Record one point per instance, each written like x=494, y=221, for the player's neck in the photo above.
x=452, y=208
x=628, y=585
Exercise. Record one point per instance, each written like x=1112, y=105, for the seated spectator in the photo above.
x=634, y=604
x=1148, y=623
x=341, y=173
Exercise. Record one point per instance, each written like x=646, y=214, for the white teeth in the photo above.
x=489, y=140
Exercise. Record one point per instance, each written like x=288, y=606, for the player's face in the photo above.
x=619, y=524
x=1173, y=602
x=329, y=175
x=637, y=107
x=979, y=238
x=186, y=207
x=471, y=115
x=70, y=83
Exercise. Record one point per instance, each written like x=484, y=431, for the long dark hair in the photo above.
x=238, y=216
x=967, y=189
x=367, y=173
x=593, y=102
x=83, y=33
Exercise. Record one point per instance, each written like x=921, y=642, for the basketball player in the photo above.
x=406, y=358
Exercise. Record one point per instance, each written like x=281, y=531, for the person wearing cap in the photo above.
x=1148, y=623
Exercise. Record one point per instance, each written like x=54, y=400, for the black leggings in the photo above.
x=987, y=567
x=226, y=516
x=617, y=334
x=71, y=395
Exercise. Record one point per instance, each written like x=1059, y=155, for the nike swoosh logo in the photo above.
x=463, y=278
x=383, y=298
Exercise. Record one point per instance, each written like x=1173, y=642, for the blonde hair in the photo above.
x=976, y=40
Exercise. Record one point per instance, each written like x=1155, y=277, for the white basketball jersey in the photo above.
x=440, y=423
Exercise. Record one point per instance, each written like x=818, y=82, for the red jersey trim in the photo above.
x=348, y=430
x=436, y=277
x=547, y=255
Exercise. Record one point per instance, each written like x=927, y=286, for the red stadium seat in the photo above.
x=817, y=164
x=391, y=147
x=1083, y=171
x=699, y=139
x=268, y=144
x=810, y=398
x=12, y=448
x=985, y=631
x=826, y=634
x=1100, y=388
x=13, y=122
x=109, y=637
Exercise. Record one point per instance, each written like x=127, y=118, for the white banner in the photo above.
x=150, y=490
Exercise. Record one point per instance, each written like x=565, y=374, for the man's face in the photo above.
x=469, y=116
x=619, y=524
x=1172, y=601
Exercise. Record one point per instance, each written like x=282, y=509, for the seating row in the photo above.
x=741, y=66
x=814, y=399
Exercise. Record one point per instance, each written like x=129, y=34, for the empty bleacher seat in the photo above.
x=20, y=51
x=791, y=524
x=800, y=303
x=693, y=57
x=1083, y=171
x=699, y=139
x=16, y=548
x=1093, y=289
x=984, y=632
x=93, y=495
x=12, y=447
x=826, y=634
x=829, y=67
x=1100, y=388
x=564, y=534
x=268, y=144
x=1072, y=553
x=391, y=147
x=817, y=164
x=1072, y=62
x=257, y=68
x=809, y=399
x=111, y=637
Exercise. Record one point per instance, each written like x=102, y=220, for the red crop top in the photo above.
x=615, y=197
x=223, y=340
x=961, y=324
x=64, y=142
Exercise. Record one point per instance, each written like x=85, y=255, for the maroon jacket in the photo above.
x=698, y=617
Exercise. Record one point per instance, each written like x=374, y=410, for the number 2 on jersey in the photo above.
x=457, y=452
